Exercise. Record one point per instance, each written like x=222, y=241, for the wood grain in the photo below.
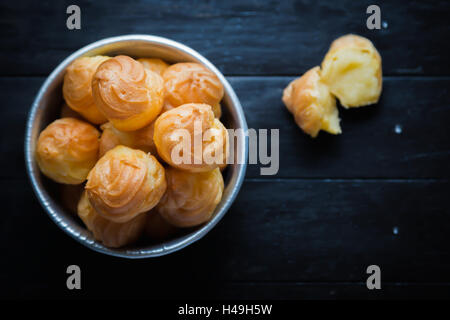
x=368, y=148
x=240, y=38
x=309, y=231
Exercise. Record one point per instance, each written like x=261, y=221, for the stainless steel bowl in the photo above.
x=46, y=107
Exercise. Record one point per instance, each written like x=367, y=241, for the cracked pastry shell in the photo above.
x=312, y=105
x=77, y=89
x=190, y=198
x=67, y=150
x=129, y=95
x=124, y=183
x=111, y=234
x=141, y=139
x=352, y=70
x=155, y=65
x=190, y=138
x=190, y=82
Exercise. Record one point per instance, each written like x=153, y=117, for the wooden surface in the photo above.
x=310, y=231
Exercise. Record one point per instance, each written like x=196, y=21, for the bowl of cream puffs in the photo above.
x=101, y=138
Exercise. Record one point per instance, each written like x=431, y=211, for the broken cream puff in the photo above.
x=312, y=105
x=352, y=70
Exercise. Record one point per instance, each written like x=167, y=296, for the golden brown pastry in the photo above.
x=190, y=82
x=217, y=109
x=77, y=89
x=191, y=198
x=352, y=70
x=190, y=138
x=111, y=234
x=67, y=150
x=141, y=139
x=157, y=228
x=312, y=105
x=155, y=65
x=124, y=183
x=129, y=95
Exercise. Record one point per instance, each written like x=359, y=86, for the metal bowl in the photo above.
x=46, y=108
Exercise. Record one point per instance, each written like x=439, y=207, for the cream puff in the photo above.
x=352, y=71
x=191, y=198
x=77, y=88
x=129, y=95
x=141, y=139
x=155, y=65
x=189, y=137
x=124, y=183
x=67, y=150
x=111, y=234
x=312, y=105
x=190, y=82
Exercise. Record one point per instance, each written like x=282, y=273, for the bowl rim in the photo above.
x=46, y=200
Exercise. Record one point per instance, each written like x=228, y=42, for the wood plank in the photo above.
x=331, y=291
x=337, y=205
x=307, y=231
x=233, y=291
x=251, y=38
x=369, y=146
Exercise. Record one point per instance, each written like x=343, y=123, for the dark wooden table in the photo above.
x=310, y=231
